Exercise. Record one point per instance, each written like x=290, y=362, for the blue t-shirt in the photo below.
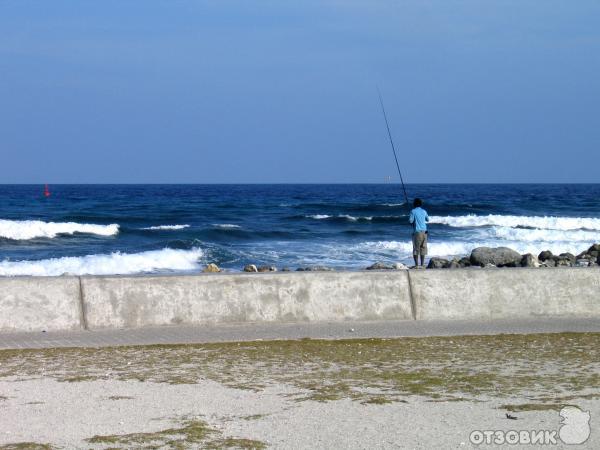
x=419, y=218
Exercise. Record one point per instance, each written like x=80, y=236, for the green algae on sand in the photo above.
x=372, y=371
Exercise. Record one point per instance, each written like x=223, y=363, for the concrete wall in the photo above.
x=67, y=303
x=291, y=297
x=506, y=293
x=39, y=303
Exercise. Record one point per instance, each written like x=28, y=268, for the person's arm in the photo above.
x=411, y=217
x=426, y=217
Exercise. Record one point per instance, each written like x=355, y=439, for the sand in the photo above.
x=391, y=393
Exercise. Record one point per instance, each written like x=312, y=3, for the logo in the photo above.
x=575, y=425
x=574, y=429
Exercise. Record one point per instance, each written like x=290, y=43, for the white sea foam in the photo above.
x=341, y=216
x=107, y=264
x=30, y=229
x=543, y=235
x=167, y=227
x=403, y=249
x=546, y=223
x=225, y=225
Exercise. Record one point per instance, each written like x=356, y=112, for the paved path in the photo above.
x=275, y=331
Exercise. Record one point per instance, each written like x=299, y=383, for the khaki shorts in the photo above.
x=419, y=243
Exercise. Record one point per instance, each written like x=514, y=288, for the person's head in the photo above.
x=417, y=203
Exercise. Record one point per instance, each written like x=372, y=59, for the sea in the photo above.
x=159, y=229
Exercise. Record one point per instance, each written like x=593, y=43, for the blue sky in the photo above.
x=285, y=91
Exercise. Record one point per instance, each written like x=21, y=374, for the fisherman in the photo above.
x=419, y=218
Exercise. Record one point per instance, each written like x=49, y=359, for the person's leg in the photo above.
x=416, y=244
x=423, y=249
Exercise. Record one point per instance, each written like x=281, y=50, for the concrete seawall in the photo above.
x=69, y=303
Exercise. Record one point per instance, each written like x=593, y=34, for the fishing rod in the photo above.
x=387, y=125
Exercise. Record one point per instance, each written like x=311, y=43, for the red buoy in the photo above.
x=46, y=191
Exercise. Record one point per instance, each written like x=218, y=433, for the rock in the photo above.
x=286, y=269
x=490, y=266
x=582, y=263
x=583, y=254
x=437, y=263
x=211, y=268
x=594, y=248
x=568, y=256
x=546, y=254
x=380, y=266
x=314, y=269
x=549, y=263
x=465, y=261
x=454, y=264
x=400, y=266
x=499, y=257
x=529, y=260
x=563, y=263
x=267, y=269
x=250, y=268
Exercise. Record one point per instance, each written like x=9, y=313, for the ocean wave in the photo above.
x=543, y=235
x=116, y=263
x=31, y=229
x=547, y=223
x=349, y=218
x=167, y=227
x=226, y=226
x=403, y=249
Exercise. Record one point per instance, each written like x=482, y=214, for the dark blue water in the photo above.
x=344, y=226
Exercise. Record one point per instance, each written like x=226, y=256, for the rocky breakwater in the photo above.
x=507, y=257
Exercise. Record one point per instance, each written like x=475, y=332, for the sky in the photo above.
x=249, y=91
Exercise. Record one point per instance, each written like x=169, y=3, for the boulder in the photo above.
x=583, y=254
x=454, y=264
x=250, y=268
x=267, y=269
x=568, y=256
x=529, y=260
x=211, y=268
x=546, y=254
x=499, y=257
x=314, y=269
x=549, y=263
x=437, y=263
x=380, y=266
x=465, y=261
x=400, y=266
x=583, y=263
x=594, y=248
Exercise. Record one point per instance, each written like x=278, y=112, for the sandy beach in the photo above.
x=426, y=392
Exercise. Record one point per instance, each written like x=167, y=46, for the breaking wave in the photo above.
x=117, y=263
x=349, y=218
x=167, y=227
x=225, y=226
x=403, y=250
x=546, y=223
x=31, y=229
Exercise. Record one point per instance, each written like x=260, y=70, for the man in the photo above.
x=419, y=218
